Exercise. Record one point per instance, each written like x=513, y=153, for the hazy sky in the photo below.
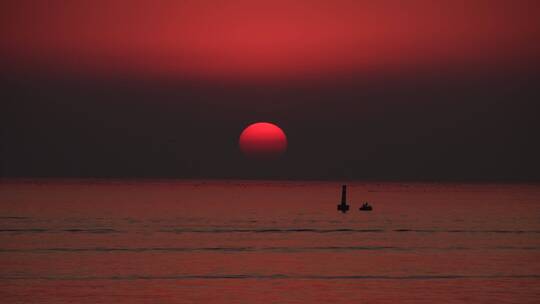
x=432, y=90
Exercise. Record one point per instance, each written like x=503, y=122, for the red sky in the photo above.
x=240, y=40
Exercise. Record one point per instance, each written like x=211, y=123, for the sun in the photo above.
x=263, y=140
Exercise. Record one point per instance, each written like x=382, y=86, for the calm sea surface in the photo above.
x=87, y=241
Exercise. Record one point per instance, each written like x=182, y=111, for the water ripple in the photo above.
x=272, y=277
x=267, y=230
x=258, y=249
x=338, y=230
x=69, y=230
x=14, y=218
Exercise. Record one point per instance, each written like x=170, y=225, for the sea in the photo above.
x=211, y=241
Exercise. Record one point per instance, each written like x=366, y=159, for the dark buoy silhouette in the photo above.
x=343, y=207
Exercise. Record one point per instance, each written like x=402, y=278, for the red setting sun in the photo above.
x=263, y=140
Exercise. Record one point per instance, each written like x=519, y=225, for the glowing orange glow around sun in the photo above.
x=263, y=140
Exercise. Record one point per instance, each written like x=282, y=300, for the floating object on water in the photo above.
x=366, y=207
x=343, y=207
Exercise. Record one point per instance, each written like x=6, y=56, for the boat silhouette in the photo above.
x=366, y=207
x=343, y=207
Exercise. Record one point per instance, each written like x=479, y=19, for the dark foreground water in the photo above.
x=275, y=242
